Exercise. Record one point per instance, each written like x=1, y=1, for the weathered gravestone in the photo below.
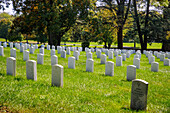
x=90, y=65
x=162, y=57
x=31, y=70
x=131, y=72
x=63, y=54
x=98, y=53
x=139, y=94
x=109, y=68
x=21, y=48
x=1, y=51
x=68, y=51
x=11, y=66
x=76, y=55
x=89, y=55
x=57, y=75
x=71, y=62
x=48, y=47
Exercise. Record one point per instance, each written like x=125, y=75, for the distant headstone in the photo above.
x=21, y=48
x=115, y=53
x=54, y=60
x=52, y=52
x=154, y=66
x=31, y=70
x=90, y=65
x=124, y=57
x=71, y=62
x=11, y=45
x=109, y=68
x=76, y=55
x=68, y=51
x=13, y=52
x=48, y=47
x=162, y=57
x=110, y=54
x=31, y=50
x=26, y=55
x=139, y=94
x=151, y=59
x=136, y=56
x=136, y=62
x=11, y=66
x=131, y=72
x=59, y=49
x=53, y=47
x=127, y=55
x=1, y=51
x=40, y=58
x=119, y=61
x=57, y=75
x=42, y=51
x=63, y=54
x=89, y=55
x=167, y=62
x=98, y=53
x=103, y=59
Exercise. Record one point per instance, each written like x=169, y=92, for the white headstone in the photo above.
x=26, y=55
x=53, y=47
x=151, y=59
x=103, y=59
x=11, y=45
x=119, y=61
x=98, y=53
x=71, y=62
x=22, y=48
x=124, y=57
x=136, y=62
x=11, y=66
x=63, y=54
x=1, y=51
x=59, y=49
x=40, y=58
x=54, y=60
x=110, y=54
x=89, y=55
x=109, y=68
x=139, y=94
x=162, y=57
x=57, y=75
x=115, y=53
x=42, y=51
x=31, y=50
x=76, y=55
x=136, y=56
x=131, y=72
x=127, y=55
x=68, y=51
x=13, y=52
x=48, y=47
x=167, y=62
x=52, y=52
x=90, y=65
x=154, y=66
x=31, y=70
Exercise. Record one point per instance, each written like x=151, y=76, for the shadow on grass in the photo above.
x=126, y=80
x=18, y=79
x=2, y=74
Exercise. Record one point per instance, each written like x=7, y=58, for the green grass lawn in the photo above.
x=83, y=91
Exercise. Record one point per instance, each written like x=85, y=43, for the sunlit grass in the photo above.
x=83, y=91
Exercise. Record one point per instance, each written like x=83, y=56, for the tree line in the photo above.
x=108, y=21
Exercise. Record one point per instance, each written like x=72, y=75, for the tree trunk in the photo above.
x=138, y=26
x=120, y=37
x=109, y=45
x=105, y=45
x=146, y=25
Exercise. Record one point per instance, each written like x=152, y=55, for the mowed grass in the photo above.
x=83, y=91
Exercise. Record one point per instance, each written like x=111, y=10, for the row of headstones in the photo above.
x=161, y=55
x=139, y=87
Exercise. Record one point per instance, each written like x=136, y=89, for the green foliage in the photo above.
x=15, y=36
x=4, y=27
x=85, y=44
